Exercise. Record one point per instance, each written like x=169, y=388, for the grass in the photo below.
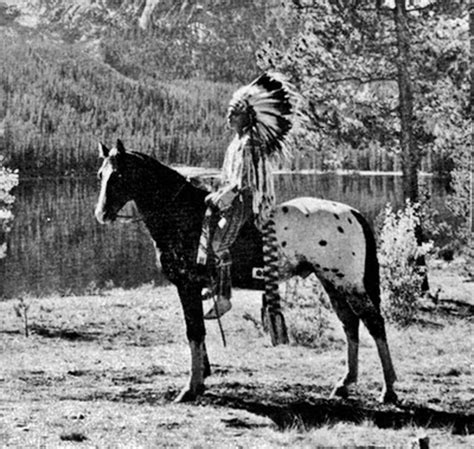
x=101, y=371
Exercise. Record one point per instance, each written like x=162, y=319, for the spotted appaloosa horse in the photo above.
x=311, y=235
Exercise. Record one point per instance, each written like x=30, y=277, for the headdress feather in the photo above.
x=269, y=106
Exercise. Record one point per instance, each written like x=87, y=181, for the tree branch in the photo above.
x=360, y=80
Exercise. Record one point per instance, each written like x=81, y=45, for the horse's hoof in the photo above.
x=185, y=396
x=340, y=391
x=189, y=395
x=389, y=397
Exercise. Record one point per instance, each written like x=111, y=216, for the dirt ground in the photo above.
x=102, y=371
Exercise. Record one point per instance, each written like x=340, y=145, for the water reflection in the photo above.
x=56, y=246
x=369, y=194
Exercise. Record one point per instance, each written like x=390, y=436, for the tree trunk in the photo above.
x=410, y=156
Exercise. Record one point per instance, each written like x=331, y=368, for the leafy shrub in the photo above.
x=8, y=180
x=441, y=230
x=306, y=311
x=401, y=277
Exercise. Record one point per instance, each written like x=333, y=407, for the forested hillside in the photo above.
x=60, y=102
x=162, y=85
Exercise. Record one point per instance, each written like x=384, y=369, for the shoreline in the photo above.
x=209, y=172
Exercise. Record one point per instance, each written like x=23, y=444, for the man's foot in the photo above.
x=207, y=293
x=221, y=306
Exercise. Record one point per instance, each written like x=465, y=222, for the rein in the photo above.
x=134, y=219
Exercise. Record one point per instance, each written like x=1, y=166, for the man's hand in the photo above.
x=222, y=199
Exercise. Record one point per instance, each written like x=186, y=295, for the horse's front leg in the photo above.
x=190, y=295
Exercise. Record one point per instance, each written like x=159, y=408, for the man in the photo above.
x=261, y=114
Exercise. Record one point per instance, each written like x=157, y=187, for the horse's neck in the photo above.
x=170, y=206
x=153, y=190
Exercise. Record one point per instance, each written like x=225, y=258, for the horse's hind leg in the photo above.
x=373, y=320
x=350, y=322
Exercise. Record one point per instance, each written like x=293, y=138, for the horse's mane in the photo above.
x=164, y=171
x=153, y=163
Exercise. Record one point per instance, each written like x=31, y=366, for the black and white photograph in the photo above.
x=236, y=224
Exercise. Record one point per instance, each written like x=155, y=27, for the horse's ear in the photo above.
x=120, y=147
x=103, y=150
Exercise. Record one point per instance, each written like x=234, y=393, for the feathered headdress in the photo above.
x=267, y=106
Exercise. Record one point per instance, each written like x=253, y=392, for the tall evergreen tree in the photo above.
x=369, y=68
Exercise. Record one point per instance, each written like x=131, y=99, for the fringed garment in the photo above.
x=249, y=168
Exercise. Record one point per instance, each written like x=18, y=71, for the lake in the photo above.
x=56, y=245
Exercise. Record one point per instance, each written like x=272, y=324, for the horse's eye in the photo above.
x=99, y=176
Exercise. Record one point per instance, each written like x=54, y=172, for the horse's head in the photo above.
x=115, y=182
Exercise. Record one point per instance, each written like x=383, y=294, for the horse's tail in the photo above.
x=371, y=268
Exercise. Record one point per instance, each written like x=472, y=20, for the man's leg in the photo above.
x=224, y=236
x=223, y=291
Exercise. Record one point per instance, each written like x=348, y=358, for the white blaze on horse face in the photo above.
x=105, y=171
x=325, y=234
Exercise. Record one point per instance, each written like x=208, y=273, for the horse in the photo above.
x=331, y=240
